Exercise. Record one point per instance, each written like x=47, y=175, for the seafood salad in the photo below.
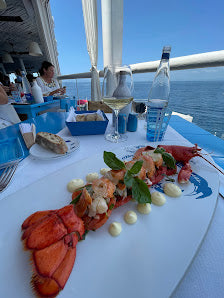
x=52, y=235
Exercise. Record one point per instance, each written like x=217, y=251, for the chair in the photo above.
x=8, y=115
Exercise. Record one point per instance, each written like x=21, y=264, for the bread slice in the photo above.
x=51, y=142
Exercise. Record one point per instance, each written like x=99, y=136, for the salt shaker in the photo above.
x=122, y=123
x=132, y=122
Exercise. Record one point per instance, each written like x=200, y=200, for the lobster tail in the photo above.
x=52, y=236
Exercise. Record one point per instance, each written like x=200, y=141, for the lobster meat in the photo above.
x=157, y=171
x=52, y=235
x=183, y=154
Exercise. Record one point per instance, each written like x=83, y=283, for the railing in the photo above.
x=210, y=59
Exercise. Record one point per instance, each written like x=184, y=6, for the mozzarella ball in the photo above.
x=172, y=190
x=115, y=229
x=91, y=177
x=158, y=198
x=156, y=157
x=103, y=171
x=75, y=184
x=144, y=208
x=130, y=217
x=102, y=206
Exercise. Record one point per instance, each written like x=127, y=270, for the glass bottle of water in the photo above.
x=16, y=93
x=26, y=88
x=158, y=97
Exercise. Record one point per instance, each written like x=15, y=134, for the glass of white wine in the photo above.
x=117, y=93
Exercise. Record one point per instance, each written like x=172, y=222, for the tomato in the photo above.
x=121, y=201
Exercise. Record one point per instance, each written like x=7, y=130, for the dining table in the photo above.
x=204, y=277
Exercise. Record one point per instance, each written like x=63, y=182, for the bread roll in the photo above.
x=51, y=142
x=99, y=118
x=91, y=117
x=80, y=118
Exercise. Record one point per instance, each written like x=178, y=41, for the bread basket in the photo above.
x=88, y=127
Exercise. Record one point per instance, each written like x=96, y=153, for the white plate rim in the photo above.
x=38, y=152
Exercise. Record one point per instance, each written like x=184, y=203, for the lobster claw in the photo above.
x=185, y=173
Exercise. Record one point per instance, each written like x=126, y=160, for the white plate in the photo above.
x=41, y=153
x=148, y=259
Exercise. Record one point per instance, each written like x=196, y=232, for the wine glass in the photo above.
x=117, y=94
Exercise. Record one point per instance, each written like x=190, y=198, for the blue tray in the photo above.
x=48, y=98
x=11, y=151
x=88, y=127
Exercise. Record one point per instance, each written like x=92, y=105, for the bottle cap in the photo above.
x=167, y=49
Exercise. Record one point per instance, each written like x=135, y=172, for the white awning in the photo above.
x=89, y=8
x=112, y=30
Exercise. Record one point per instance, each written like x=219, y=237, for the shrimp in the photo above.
x=103, y=187
x=84, y=201
x=149, y=151
x=115, y=176
x=148, y=164
x=142, y=172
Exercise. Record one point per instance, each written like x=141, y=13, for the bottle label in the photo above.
x=16, y=96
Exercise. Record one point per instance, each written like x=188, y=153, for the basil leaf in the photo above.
x=128, y=179
x=169, y=160
x=76, y=199
x=159, y=150
x=136, y=168
x=111, y=207
x=84, y=235
x=88, y=187
x=140, y=191
x=169, y=179
x=112, y=161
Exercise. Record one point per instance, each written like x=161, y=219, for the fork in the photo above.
x=7, y=175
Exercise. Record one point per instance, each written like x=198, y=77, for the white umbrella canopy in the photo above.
x=112, y=30
x=89, y=8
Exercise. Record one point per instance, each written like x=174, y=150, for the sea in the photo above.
x=203, y=100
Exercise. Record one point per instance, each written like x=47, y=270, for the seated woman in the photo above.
x=48, y=84
x=8, y=115
x=3, y=96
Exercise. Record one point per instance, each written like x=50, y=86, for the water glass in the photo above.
x=157, y=122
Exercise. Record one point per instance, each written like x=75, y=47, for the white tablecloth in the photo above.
x=205, y=277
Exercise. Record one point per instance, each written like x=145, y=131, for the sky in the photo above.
x=190, y=27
